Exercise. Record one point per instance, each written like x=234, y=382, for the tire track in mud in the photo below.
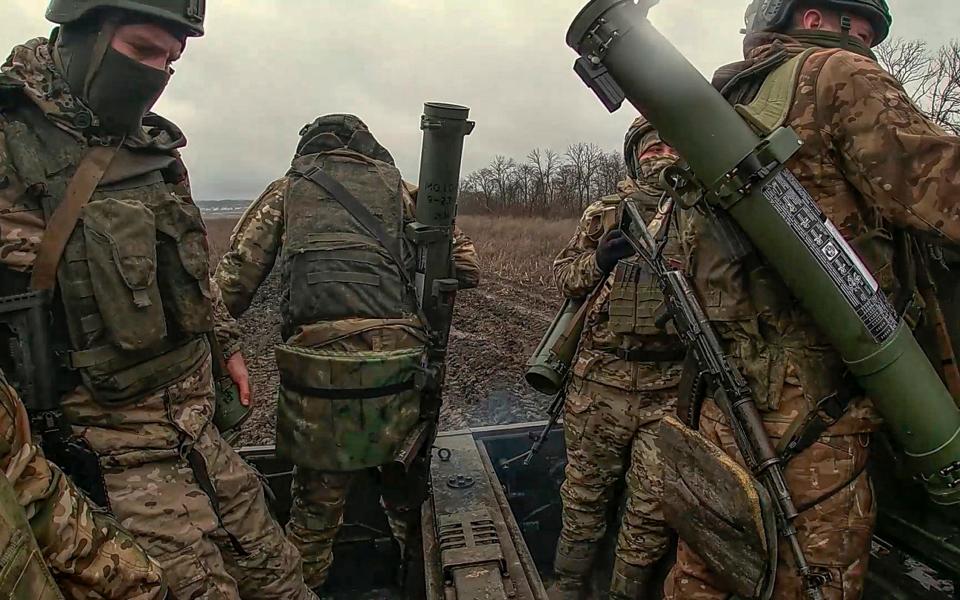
x=495, y=329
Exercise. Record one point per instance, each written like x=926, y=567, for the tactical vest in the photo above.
x=333, y=268
x=23, y=574
x=133, y=282
x=352, y=403
x=636, y=302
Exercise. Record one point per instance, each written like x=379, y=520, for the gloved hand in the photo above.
x=613, y=247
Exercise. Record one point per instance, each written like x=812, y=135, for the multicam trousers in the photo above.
x=833, y=493
x=611, y=433
x=150, y=451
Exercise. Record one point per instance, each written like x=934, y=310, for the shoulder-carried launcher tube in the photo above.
x=444, y=128
x=624, y=57
x=549, y=364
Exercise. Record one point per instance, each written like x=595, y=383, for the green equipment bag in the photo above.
x=345, y=411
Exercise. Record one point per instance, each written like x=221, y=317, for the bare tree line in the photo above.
x=546, y=182
x=931, y=77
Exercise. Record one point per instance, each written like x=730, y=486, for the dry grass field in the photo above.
x=520, y=250
x=495, y=329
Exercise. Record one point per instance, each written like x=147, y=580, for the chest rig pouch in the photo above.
x=333, y=267
x=133, y=281
x=636, y=302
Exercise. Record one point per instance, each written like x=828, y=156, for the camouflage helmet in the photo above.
x=776, y=15
x=187, y=14
x=638, y=133
x=340, y=131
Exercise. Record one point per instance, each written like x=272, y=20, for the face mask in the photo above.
x=123, y=90
x=120, y=90
x=649, y=169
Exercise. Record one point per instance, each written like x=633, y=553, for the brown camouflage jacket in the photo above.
x=257, y=240
x=86, y=550
x=577, y=275
x=874, y=163
x=21, y=220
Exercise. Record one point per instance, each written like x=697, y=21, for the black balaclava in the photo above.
x=116, y=88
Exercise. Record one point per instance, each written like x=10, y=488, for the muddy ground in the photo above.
x=495, y=329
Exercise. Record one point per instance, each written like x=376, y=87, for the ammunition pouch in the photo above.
x=346, y=410
x=719, y=510
x=636, y=302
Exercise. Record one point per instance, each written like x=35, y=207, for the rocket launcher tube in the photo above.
x=549, y=364
x=444, y=128
x=623, y=54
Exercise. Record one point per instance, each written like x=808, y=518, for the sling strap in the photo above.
x=808, y=426
x=198, y=465
x=358, y=211
x=93, y=166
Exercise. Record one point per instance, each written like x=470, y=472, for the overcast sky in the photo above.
x=266, y=67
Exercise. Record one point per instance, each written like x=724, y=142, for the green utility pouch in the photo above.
x=636, y=301
x=345, y=411
x=719, y=510
x=23, y=574
x=184, y=266
x=121, y=252
x=343, y=276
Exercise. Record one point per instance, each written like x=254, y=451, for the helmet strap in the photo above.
x=846, y=24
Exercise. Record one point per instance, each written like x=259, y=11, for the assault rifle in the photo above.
x=26, y=317
x=732, y=392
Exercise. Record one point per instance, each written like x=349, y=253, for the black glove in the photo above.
x=613, y=247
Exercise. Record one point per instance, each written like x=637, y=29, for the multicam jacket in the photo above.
x=86, y=551
x=875, y=164
x=258, y=239
x=30, y=72
x=577, y=275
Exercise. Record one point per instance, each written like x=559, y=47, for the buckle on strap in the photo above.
x=808, y=427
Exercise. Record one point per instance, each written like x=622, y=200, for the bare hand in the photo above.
x=237, y=368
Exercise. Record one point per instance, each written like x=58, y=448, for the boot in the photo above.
x=630, y=582
x=571, y=570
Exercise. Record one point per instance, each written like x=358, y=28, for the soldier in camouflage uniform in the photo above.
x=86, y=551
x=348, y=321
x=95, y=204
x=624, y=380
x=883, y=174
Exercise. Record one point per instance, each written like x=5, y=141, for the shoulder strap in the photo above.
x=93, y=166
x=770, y=109
x=358, y=211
